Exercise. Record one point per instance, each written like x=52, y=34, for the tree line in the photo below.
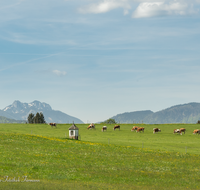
x=38, y=118
x=109, y=121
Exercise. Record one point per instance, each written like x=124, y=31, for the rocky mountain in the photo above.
x=185, y=113
x=20, y=111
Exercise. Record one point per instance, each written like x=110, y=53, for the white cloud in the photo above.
x=106, y=6
x=144, y=8
x=59, y=73
x=153, y=9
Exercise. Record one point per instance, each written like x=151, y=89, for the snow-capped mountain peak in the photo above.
x=19, y=107
x=20, y=111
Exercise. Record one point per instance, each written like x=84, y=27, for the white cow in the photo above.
x=104, y=128
x=156, y=130
x=177, y=131
x=91, y=126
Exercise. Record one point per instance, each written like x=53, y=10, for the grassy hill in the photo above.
x=128, y=160
x=7, y=120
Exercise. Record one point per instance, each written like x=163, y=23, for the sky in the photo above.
x=94, y=59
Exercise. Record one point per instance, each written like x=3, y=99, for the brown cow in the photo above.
x=91, y=126
x=140, y=129
x=53, y=125
x=182, y=130
x=196, y=131
x=177, y=131
x=116, y=127
x=104, y=128
x=156, y=130
x=134, y=128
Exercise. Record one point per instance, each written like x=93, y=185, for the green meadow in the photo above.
x=98, y=160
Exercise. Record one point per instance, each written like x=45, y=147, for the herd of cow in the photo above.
x=137, y=129
x=141, y=129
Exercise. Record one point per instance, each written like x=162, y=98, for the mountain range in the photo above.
x=184, y=113
x=20, y=111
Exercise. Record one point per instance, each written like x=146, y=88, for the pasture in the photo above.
x=164, y=140
x=100, y=160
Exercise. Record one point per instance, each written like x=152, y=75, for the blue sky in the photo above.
x=95, y=59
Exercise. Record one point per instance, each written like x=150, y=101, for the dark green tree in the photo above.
x=110, y=121
x=31, y=118
x=37, y=118
x=42, y=120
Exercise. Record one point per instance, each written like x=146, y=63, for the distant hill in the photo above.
x=7, y=120
x=185, y=113
x=20, y=111
x=132, y=117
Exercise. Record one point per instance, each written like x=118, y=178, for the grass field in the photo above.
x=100, y=160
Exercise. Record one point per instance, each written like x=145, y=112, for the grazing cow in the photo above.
x=91, y=126
x=177, y=131
x=156, y=130
x=139, y=129
x=104, y=128
x=196, y=131
x=116, y=127
x=53, y=125
x=182, y=130
x=134, y=128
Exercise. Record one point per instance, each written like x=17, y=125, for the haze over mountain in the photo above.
x=185, y=113
x=7, y=120
x=20, y=111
